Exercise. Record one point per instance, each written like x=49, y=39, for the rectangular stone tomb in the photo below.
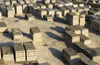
x=93, y=55
x=58, y=13
x=13, y=2
x=75, y=5
x=93, y=12
x=71, y=56
x=7, y=53
x=3, y=9
x=33, y=9
x=50, y=12
x=49, y=5
x=72, y=18
x=17, y=34
x=52, y=1
x=71, y=37
x=82, y=21
x=19, y=52
x=80, y=47
x=63, y=10
x=84, y=30
x=95, y=24
x=29, y=17
x=79, y=9
x=84, y=39
x=30, y=51
x=48, y=18
x=36, y=34
x=25, y=8
x=97, y=60
x=72, y=9
x=46, y=1
x=7, y=2
x=85, y=60
x=20, y=1
x=41, y=12
x=91, y=17
x=18, y=8
x=42, y=6
x=72, y=28
x=10, y=12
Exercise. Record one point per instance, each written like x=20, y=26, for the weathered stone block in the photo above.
x=84, y=30
x=17, y=34
x=41, y=12
x=29, y=17
x=71, y=37
x=50, y=12
x=71, y=56
x=84, y=39
x=7, y=53
x=30, y=51
x=36, y=34
x=18, y=8
x=48, y=18
x=72, y=28
x=19, y=52
x=72, y=18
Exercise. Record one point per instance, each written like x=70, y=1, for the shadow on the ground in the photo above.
x=20, y=17
x=58, y=29
x=60, y=20
x=54, y=36
x=27, y=35
x=8, y=35
x=58, y=54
